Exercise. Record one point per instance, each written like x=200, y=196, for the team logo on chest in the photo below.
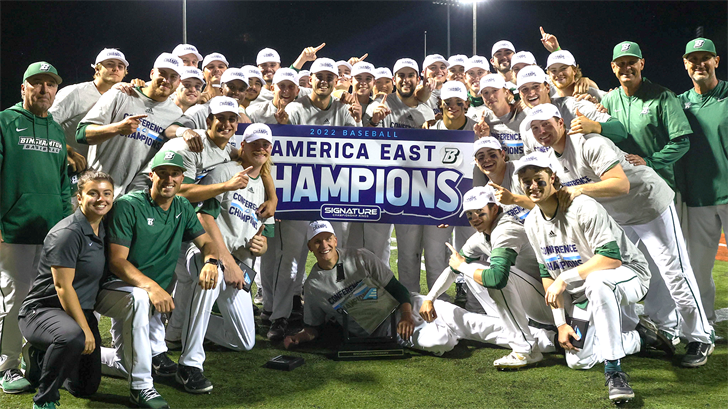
x=150, y=221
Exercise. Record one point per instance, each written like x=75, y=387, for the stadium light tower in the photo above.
x=457, y=3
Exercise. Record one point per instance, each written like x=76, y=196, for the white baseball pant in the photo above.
x=454, y=323
x=137, y=333
x=664, y=241
x=607, y=291
x=283, y=268
x=411, y=240
x=703, y=238
x=375, y=237
x=182, y=295
x=18, y=269
x=235, y=329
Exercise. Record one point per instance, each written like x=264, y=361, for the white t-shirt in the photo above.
x=403, y=116
x=72, y=103
x=303, y=112
x=124, y=156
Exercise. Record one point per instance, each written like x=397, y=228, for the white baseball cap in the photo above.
x=560, y=57
x=538, y=159
x=532, y=73
x=343, y=63
x=214, y=57
x=111, y=54
x=304, y=73
x=453, y=89
x=477, y=198
x=318, y=226
x=223, y=104
x=523, y=57
x=267, y=55
x=492, y=81
x=486, y=142
x=457, y=59
x=251, y=71
x=477, y=61
x=184, y=49
x=257, y=131
x=405, y=63
x=167, y=60
x=382, y=72
x=501, y=45
x=285, y=74
x=540, y=113
x=232, y=74
x=324, y=65
x=433, y=58
x=362, y=68
x=191, y=72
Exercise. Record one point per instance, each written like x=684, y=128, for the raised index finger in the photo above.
x=363, y=56
x=135, y=117
x=543, y=33
x=451, y=248
x=384, y=99
x=495, y=186
x=320, y=47
x=246, y=170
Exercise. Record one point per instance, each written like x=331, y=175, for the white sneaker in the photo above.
x=258, y=299
x=516, y=360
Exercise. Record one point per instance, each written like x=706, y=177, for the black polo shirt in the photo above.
x=71, y=243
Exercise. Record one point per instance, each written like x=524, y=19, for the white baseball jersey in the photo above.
x=72, y=103
x=571, y=238
x=237, y=221
x=567, y=107
x=469, y=124
x=303, y=112
x=324, y=294
x=586, y=157
x=507, y=233
x=123, y=156
x=263, y=113
x=403, y=116
x=507, y=130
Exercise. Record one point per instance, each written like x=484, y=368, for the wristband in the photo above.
x=178, y=133
x=468, y=270
x=559, y=316
x=372, y=123
x=570, y=276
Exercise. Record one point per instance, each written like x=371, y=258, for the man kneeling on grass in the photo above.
x=589, y=270
x=338, y=272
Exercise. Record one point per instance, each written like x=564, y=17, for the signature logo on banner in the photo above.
x=350, y=212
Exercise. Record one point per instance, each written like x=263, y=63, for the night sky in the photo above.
x=70, y=34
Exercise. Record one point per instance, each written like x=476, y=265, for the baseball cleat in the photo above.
x=516, y=360
x=193, y=380
x=14, y=382
x=148, y=398
x=654, y=339
x=278, y=329
x=619, y=389
x=163, y=366
x=697, y=354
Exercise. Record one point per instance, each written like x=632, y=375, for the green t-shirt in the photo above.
x=655, y=123
x=154, y=236
x=706, y=163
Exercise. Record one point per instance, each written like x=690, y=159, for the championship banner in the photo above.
x=384, y=175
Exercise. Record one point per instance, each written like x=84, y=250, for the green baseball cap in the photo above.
x=626, y=48
x=699, y=44
x=168, y=158
x=42, y=67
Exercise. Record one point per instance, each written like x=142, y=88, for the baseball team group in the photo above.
x=137, y=201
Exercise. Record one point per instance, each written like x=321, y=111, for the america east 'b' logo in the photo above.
x=450, y=156
x=699, y=43
x=625, y=47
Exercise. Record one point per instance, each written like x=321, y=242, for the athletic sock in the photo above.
x=612, y=366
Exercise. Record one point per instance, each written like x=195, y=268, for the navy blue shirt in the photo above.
x=71, y=243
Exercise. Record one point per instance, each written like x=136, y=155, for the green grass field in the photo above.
x=463, y=378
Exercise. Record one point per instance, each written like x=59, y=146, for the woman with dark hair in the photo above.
x=57, y=316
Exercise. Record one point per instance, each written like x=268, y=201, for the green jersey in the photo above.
x=656, y=125
x=706, y=163
x=154, y=236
